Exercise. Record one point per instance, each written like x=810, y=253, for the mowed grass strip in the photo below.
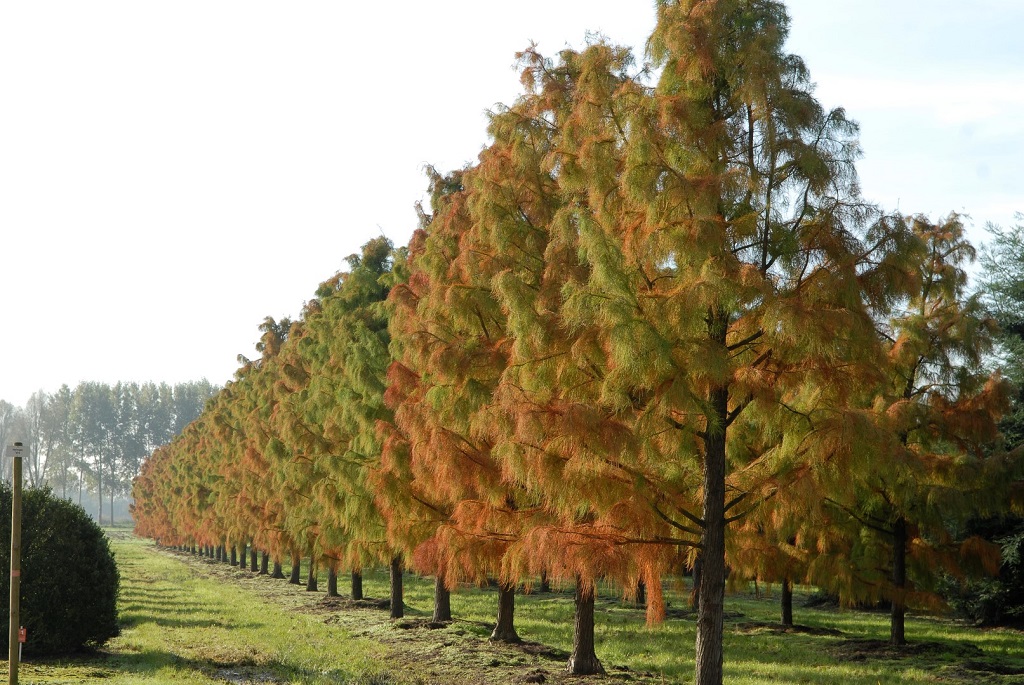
x=190, y=620
x=181, y=626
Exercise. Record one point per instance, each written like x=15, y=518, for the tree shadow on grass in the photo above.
x=173, y=615
x=956, y=660
x=155, y=663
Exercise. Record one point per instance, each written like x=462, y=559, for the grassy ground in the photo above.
x=191, y=620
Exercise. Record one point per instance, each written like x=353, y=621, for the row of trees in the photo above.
x=652, y=329
x=93, y=439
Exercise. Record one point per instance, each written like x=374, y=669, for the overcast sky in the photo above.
x=172, y=172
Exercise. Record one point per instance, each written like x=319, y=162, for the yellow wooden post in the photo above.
x=13, y=655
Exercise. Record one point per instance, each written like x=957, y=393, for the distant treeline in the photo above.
x=90, y=441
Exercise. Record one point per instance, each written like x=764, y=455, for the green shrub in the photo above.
x=69, y=580
x=999, y=600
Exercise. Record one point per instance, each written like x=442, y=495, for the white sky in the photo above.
x=172, y=172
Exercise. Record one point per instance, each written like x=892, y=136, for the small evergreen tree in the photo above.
x=64, y=606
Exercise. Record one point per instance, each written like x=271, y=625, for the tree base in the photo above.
x=508, y=636
x=584, y=666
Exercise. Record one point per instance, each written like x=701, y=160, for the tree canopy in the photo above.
x=653, y=328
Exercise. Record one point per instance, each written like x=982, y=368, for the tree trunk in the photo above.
x=711, y=590
x=311, y=585
x=224, y=554
x=442, y=601
x=278, y=571
x=583, y=660
x=241, y=557
x=897, y=628
x=296, y=576
x=234, y=556
x=787, y=603
x=264, y=563
x=397, y=604
x=99, y=491
x=253, y=559
x=218, y=553
x=357, y=585
x=504, y=629
x=332, y=582
x=545, y=585
x=641, y=593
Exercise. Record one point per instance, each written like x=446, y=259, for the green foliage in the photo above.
x=1002, y=290
x=998, y=600
x=648, y=323
x=69, y=582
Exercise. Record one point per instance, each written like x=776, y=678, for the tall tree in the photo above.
x=35, y=416
x=925, y=462
x=94, y=419
x=7, y=435
x=348, y=393
x=441, y=490
x=1001, y=286
x=716, y=227
x=59, y=440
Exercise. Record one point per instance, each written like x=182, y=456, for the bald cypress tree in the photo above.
x=349, y=384
x=928, y=428
x=716, y=263
x=441, y=491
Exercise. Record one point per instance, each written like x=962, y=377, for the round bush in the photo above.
x=69, y=580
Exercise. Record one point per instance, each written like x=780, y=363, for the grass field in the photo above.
x=189, y=620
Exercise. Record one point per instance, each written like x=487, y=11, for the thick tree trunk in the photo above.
x=234, y=556
x=278, y=570
x=583, y=660
x=254, y=564
x=545, y=585
x=332, y=582
x=641, y=593
x=311, y=585
x=397, y=603
x=787, y=603
x=241, y=557
x=442, y=601
x=218, y=555
x=897, y=628
x=357, y=585
x=505, y=629
x=264, y=563
x=711, y=590
x=296, y=577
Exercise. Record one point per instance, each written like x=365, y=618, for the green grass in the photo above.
x=181, y=627
x=191, y=620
